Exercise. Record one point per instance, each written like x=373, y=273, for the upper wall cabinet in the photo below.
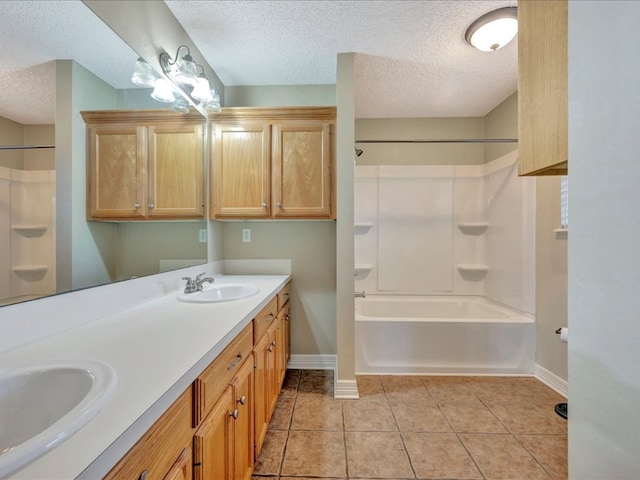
x=542, y=87
x=144, y=165
x=273, y=163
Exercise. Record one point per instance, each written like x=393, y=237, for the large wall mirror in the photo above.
x=46, y=244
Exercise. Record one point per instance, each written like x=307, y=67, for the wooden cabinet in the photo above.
x=144, y=166
x=542, y=87
x=272, y=163
x=163, y=450
x=215, y=430
x=213, y=441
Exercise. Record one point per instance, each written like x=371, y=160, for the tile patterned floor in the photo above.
x=410, y=427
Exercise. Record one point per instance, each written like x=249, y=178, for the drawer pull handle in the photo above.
x=269, y=317
x=286, y=296
x=287, y=317
x=242, y=400
x=235, y=414
x=273, y=342
x=233, y=365
x=271, y=348
x=143, y=475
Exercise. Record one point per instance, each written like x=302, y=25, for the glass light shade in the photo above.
x=202, y=90
x=493, y=30
x=186, y=73
x=163, y=92
x=143, y=74
x=214, y=105
x=181, y=105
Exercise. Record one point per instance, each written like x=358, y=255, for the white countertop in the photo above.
x=157, y=349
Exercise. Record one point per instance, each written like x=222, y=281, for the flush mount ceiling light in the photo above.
x=493, y=30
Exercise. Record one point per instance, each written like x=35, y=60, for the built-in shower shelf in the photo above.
x=30, y=268
x=362, y=227
x=363, y=268
x=473, y=228
x=473, y=267
x=30, y=230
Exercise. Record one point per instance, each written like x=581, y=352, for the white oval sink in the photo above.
x=222, y=292
x=42, y=405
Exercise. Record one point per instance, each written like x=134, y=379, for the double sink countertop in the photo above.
x=157, y=349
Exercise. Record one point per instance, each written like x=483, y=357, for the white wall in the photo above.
x=604, y=261
x=414, y=237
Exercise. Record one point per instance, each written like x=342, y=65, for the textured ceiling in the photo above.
x=413, y=60
x=33, y=34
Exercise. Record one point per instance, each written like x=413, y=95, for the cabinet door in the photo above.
x=302, y=169
x=287, y=335
x=242, y=385
x=213, y=442
x=262, y=390
x=241, y=171
x=280, y=352
x=117, y=172
x=542, y=87
x=176, y=179
x=183, y=468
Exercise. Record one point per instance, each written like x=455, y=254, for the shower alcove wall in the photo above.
x=457, y=232
x=27, y=230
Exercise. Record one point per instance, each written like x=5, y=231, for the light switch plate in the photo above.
x=202, y=235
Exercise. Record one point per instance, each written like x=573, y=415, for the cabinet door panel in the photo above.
x=302, y=177
x=117, y=172
x=542, y=87
x=183, y=468
x=176, y=181
x=241, y=171
x=243, y=425
x=213, y=442
x=262, y=391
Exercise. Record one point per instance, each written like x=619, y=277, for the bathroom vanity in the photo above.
x=197, y=383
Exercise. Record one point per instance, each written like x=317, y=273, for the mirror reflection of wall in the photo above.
x=38, y=88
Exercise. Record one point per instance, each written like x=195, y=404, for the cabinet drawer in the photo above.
x=212, y=382
x=160, y=447
x=283, y=295
x=265, y=318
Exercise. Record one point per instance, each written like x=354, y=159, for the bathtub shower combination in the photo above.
x=444, y=254
x=441, y=335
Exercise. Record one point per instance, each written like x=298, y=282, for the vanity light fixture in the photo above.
x=143, y=74
x=493, y=30
x=182, y=69
x=163, y=91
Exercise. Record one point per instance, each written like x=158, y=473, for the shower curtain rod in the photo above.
x=24, y=147
x=460, y=140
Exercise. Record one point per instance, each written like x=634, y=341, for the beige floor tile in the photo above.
x=494, y=391
x=471, y=417
x=448, y=392
x=316, y=384
x=419, y=415
x=550, y=451
x=377, y=455
x=368, y=414
x=524, y=418
x=315, y=454
x=270, y=458
x=317, y=413
x=369, y=385
x=402, y=384
x=439, y=455
x=290, y=384
x=281, y=417
x=501, y=457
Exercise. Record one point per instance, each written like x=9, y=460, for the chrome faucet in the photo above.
x=195, y=285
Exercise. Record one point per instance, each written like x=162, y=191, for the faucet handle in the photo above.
x=199, y=277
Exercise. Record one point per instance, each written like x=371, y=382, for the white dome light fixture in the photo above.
x=493, y=30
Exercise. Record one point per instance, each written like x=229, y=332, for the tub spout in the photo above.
x=360, y=294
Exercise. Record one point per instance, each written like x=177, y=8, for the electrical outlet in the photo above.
x=246, y=235
x=202, y=235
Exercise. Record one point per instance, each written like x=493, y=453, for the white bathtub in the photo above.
x=442, y=335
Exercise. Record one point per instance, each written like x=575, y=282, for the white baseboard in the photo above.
x=552, y=381
x=346, y=389
x=313, y=362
